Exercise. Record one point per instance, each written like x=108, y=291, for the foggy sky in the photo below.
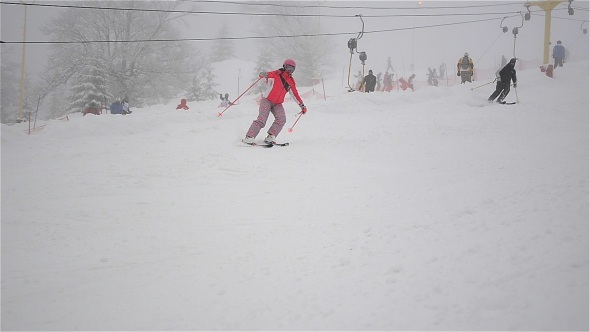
x=426, y=47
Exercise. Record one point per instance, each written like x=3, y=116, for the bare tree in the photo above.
x=131, y=43
x=9, y=95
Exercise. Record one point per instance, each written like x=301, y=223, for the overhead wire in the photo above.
x=257, y=14
x=350, y=7
x=210, y=12
x=246, y=37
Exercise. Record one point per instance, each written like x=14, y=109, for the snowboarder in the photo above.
x=558, y=54
x=369, y=81
x=465, y=68
x=281, y=82
x=503, y=78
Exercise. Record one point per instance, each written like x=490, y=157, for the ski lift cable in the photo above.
x=350, y=7
x=177, y=11
x=486, y=51
x=246, y=37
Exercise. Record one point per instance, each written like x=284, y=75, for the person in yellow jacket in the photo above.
x=465, y=68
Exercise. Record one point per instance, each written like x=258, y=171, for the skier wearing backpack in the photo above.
x=281, y=81
x=465, y=68
x=504, y=76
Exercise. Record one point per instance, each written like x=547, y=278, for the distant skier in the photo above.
x=281, y=82
x=369, y=82
x=411, y=81
x=432, y=77
x=504, y=76
x=465, y=68
x=389, y=66
x=558, y=54
x=387, y=82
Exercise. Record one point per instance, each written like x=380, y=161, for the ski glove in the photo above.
x=514, y=85
x=458, y=73
x=263, y=74
x=303, y=108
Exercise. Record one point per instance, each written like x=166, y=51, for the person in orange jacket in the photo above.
x=281, y=81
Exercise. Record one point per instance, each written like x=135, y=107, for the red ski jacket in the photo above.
x=280, y=89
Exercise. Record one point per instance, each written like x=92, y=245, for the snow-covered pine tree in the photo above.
x=263, y=63
x=209, y=84
x=223, y=49
x=90, y=86
x=312, y=53
x=203, y=84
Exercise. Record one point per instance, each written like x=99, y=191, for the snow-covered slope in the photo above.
x=430, y=210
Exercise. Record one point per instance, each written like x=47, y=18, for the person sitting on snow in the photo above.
x=117, y=107
x=224, y=100
x=182, y=105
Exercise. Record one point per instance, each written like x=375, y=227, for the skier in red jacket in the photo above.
x=280, y=82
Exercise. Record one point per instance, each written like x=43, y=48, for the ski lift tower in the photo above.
x=547, y=6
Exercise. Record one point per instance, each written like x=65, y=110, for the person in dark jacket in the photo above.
x=558, y=54
x=369, y=82
x=504, y=76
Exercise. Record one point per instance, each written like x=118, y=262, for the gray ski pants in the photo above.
x=266, y=107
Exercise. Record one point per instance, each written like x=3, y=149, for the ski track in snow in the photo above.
x=388, y=211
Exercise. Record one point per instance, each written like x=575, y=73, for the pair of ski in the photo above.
x=267, y=145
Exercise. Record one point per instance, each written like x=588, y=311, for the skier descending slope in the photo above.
x=281, y=82
x=503, y=82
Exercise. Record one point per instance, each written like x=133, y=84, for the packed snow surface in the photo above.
x=426, y=210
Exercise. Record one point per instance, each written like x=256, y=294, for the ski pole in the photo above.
x=291, y=129
x=477, y=87
x=250, y=87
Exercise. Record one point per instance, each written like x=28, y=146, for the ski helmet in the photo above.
x=289, y=65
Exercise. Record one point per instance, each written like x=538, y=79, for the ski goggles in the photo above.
x=289, y=69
